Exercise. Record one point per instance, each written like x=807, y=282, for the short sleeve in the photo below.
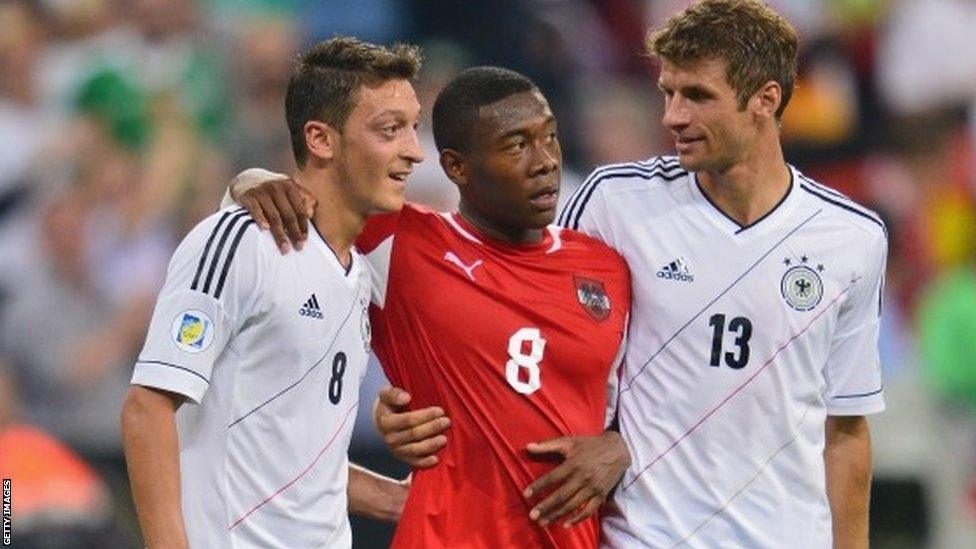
x=585, y=210
x=853, y=368
x=209, y=290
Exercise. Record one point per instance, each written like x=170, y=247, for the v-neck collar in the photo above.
x=732, y=227
x=319, y=241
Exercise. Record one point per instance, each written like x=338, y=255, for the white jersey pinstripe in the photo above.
x=742, y=340
x=270, y=351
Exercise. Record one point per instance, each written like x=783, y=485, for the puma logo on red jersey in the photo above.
x=468, y=270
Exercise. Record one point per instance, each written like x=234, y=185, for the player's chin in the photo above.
x=390, y=198
x=538, y=219
x=389, y=201
x=690, y=162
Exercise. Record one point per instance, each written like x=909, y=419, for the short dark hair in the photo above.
x=326, y=79
x=756, y=43
x=456, y=106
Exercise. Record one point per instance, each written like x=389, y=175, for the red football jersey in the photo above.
x=515, y=342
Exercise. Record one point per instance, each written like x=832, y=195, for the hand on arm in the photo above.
x=847, y=457
x=275, y=202
x=413, y=437
x=591, y=467
x=375, y=496
x=152, y=456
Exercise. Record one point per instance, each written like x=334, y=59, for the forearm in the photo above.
x=151, y=446
x=847, y=457
x=375, y=496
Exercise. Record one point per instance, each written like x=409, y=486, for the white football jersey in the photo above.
x=270, y=350
x=742, y=341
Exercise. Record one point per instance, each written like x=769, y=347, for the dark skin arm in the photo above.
x=574, y=490
x=591, y=465
x=276, y=203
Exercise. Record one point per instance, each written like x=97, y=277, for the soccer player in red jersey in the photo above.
x=510, y=325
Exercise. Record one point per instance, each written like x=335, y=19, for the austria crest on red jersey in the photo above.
x=593, y=297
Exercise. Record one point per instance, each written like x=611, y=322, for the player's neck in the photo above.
x=751, y=188
x=498, y=231
x=335, y=218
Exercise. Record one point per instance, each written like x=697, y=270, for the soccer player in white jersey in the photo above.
x=237, y=425
x=752, y=352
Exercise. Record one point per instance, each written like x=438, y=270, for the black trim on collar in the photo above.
x=743, y=228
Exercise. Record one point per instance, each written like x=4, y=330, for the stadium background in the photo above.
x=122, y=121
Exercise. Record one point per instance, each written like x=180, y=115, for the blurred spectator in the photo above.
x=58, y=501
x=947, y=325
x=621, y=120
x=265, y=49
x=69, y=350
x=924, y=187
x=927, y=60
x=122, y=121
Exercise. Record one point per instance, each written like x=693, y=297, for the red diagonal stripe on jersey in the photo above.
x=301, y=474
x=740, y=387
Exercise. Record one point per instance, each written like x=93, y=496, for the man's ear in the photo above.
x=454, y=165
x=321, y=139
x=767, y=99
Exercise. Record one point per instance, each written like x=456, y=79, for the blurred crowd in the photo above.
x=121, y=122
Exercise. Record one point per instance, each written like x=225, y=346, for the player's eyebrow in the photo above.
x=527, y=128
x=388, y=112
x=398, y=114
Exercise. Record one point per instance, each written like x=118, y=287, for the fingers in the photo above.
x=421, y=454
x=566, y=498
x=290, y=211
x=273, y=218
x=394, y=397
x=556, y=476
x=423, y=431
x=254, y=208
x=402, y=421
x=561, y=445
x=587, y=511
x=302, y=200
x=423, y=463
x=571, y=505
x=412, y=437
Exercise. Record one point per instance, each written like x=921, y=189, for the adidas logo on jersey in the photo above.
x=311, y=308
x=676, y=270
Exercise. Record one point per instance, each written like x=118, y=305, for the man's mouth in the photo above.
x=684, y=143
x=545, y=199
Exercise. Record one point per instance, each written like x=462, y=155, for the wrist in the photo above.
x=617, y=440
x=394, y=497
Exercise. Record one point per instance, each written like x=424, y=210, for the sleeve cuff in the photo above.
x=856, y=404
x=171, y=377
